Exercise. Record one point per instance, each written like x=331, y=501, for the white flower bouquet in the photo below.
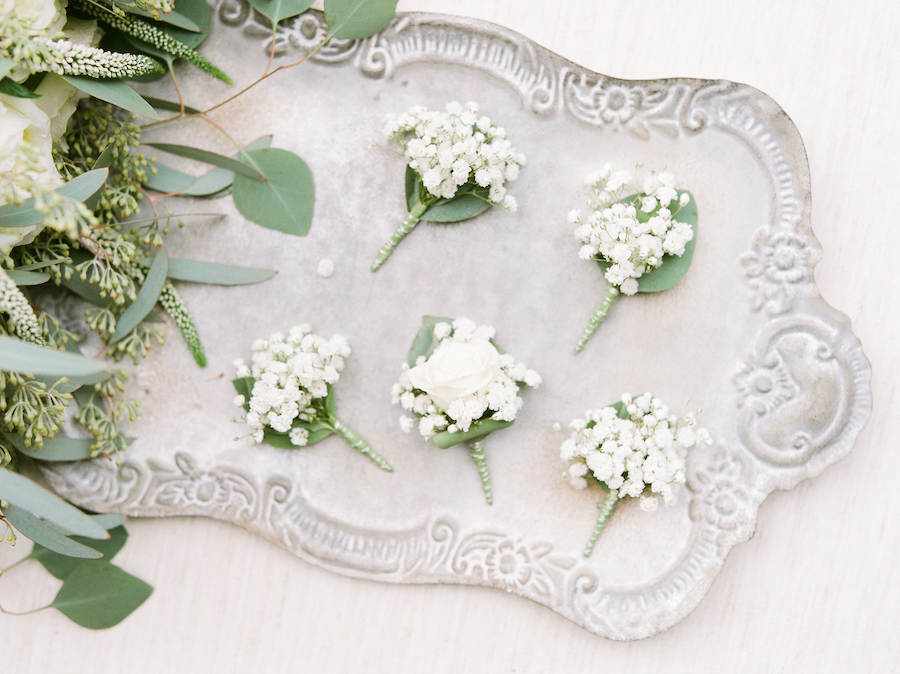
x=287, y=392
x=644, y=242
x=632, y=448
x=457, y=166
x=461, y=386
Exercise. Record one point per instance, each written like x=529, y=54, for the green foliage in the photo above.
x=46, y=536
x=284, y=202
x=113, y=91
x=477, y=431
x=356, y=19
x=216, y=274
x=10, y=87
x=207, y=157
x=61, y=565
x=425, y=341
x=146, y=297
x=19, y=356
x=470, y=200
x=278, y=10
x=98, y=595
x=673, y=268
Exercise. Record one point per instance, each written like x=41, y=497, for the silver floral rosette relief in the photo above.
x=781, y=380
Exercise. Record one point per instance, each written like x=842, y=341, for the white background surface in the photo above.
x=814, y=591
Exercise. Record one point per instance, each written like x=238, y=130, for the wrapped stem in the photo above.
x=605, y=510
x=410, y=221
x=597, y=317
x=360, y=445
x=476, y=449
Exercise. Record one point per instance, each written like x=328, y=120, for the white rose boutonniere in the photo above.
x=287, y=392
x=634, y=448
x=642, y=238
x=457, y=166
x=461, y=386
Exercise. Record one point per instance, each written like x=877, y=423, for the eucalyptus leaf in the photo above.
x=168, y=180
x=79, y=188
x=171, y=106
x=355, y=19
x=85, y=290
x=98, y=595
x=116, y=92
x=217, y=274
x=173, y=18
x=105, y=158
x=673, y=267
x=57, y=448
x=285, y=201
x=146, y=297
x=476, y=431
x=62, y=566
x=200, y=14
x=210, y=184
x=47, y=537
x=27, y=278
x=278, y=10
x=37, y=265
x=425, y=341
x=26, y=495
x=10, y=87
x=213, y=158
x=19, y=356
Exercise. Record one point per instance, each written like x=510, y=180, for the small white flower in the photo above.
x=299, y=436
x=239, y=400
x=406, y=423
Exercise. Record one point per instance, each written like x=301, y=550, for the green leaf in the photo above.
x=476, y=431
x=470, y=200
x=212, y=183
x=171, y=106
x=168, y=180
x=355, y=19
x=317, y=431
x=285, y=201
x=330, y=402
x=105, y=158
x=26, y=495
x=37, y=265
x=98, y=595
x=425, y=341
x=217, y=274
x=19, y=356
x=61, y=566
x=207, y=157
x=116, y=92
x=200, y=14
x=244, y=387
x=12, y=88
x=47, y=537
x=85, y=290
x=673, y=268
x=6, y=65
x=173, y=18
x=27, y=278
x=146, y=297
x=278, y=10
x=57, y=448
x=620, y=409
x=80, y=188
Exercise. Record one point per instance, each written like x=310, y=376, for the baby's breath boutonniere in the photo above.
x=461, y=386
x=643, y=242
x=457, y=165
x=632, y=448
x=287, y=392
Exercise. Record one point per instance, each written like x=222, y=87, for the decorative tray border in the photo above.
x=800, y=340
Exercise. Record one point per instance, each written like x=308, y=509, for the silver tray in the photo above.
x=782, y=382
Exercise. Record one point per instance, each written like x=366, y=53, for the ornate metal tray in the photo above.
x=781, y=380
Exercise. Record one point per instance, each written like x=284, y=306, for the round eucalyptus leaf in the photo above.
x=284, y=201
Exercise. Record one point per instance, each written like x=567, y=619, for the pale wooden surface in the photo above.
x=814, y=591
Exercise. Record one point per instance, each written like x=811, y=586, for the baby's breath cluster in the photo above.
x=465, y=380
x=638, y=453
x=631, y=229
x=452, y=148
x=291, y=376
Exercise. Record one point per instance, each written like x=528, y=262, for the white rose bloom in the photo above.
x=456, y=370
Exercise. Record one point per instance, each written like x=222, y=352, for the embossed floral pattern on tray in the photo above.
x=800, y=395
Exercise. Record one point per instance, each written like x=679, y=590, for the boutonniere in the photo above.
x=633, y=448
x=461, y=386
x=287, y=392
x=457, y=166
x=644, y=242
